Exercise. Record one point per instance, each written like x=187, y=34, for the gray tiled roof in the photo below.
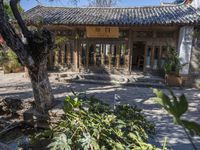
x=159, y=15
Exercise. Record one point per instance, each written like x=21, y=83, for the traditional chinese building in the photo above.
x=118, y=40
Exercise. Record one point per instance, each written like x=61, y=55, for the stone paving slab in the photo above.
x=16, y=86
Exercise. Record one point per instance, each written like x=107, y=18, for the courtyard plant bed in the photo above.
x=91, y=124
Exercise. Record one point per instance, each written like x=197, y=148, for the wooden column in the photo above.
x=68, y=53
x=75, y=54
x=87, y=54
x=159, y=57
x=102, y=54
x=80, y=55
x=63, y=54
x=55, y=58
x=145, y=56
x=130, y=48
x=110, y=57
x=152, y=56
x=118, y=56
x=94, y=55
x=59, y=55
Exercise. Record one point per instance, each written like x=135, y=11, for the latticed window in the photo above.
x=82, y=34
x=124, y=34
x=144, y=34
x=165, y=34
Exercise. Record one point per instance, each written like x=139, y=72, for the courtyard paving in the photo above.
x=17, y=86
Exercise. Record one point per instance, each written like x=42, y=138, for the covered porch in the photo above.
x=124, y=50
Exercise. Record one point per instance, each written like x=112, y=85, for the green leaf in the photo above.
x=182, y=106
x=118, y=146
x=163, y=100
x=175, y=100
x=70, y=104
x=176, y=106
x=60, y=143
x=99, y=127
x=193, y=127
x=88, y=142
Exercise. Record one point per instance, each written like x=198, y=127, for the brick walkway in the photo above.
x=15, y=85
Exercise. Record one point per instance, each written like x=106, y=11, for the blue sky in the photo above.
x=27, y=4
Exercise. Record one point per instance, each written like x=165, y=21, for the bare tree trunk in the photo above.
x=41, y=87
x=32, y=54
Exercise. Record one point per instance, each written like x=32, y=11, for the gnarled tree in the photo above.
x=32, y=54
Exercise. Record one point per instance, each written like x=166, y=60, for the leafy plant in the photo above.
x=9, y=60
x=9, y=11
x=173, y=62
x=92, y=124
x=177, y=107
x=3, y=57
x=59, y=40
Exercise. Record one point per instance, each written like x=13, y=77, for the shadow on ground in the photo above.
x=139, y=96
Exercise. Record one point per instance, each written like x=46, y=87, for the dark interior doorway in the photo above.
x=91, y=55
x=138, y=53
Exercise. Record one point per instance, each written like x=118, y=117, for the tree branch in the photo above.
x=12, y=39
x=18, y=17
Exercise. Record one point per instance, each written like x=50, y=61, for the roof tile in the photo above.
x=162, y=15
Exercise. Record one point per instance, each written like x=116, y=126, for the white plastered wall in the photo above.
x=196, y=3
x=185, y=48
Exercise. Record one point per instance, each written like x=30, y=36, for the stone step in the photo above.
x=141, y=81
x=147, y=79
x=138, y=84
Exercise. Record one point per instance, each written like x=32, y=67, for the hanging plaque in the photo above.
x=102, y=32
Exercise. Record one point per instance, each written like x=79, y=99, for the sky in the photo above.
x=27, y=4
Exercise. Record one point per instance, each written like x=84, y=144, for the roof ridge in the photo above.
x=131, y=7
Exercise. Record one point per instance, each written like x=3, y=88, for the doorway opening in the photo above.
x=138, y=56
x=91, y=55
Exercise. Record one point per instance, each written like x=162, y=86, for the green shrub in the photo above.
x=3, y=57
x=9, y=60
x=173, y=62
x=92, y=124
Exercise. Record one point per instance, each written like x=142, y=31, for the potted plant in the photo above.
x=172, y=67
